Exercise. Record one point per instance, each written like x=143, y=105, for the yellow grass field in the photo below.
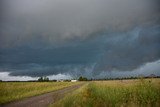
x=115, y=93
x=11, y=91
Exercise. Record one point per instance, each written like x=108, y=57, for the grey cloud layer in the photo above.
x=60, y=20
x=78, y=37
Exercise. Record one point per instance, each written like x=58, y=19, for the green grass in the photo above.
x=128, y=93
x=11, y=91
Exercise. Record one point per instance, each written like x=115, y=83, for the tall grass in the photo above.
x=11, y=91
x=144, y=93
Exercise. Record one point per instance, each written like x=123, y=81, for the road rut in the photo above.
x=43, y=100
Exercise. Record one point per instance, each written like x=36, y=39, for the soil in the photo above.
x=43, y=100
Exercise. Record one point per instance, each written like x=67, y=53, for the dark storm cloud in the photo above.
x=78, y=37
x=129, y=50
x=104, y=52
x=36, y=62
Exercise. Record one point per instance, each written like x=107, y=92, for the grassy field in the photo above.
x=115, y=93
x=11, y=91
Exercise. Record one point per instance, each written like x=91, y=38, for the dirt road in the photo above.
x=43, y=100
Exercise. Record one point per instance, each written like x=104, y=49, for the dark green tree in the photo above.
x=40, y=79
x=82, y=78
x=43, y=79
x=46, y=79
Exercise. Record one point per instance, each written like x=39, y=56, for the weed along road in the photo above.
x=43, y=100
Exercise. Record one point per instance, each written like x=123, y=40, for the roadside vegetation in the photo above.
x=11, y=91
x=115, y=93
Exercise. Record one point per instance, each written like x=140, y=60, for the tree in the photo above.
x=40, y=79
x=43, y=79
x=46, y=79
x=82, y=78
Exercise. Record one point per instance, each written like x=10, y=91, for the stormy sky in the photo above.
x=72, y=38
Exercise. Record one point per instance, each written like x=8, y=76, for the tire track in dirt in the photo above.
x=43, y=100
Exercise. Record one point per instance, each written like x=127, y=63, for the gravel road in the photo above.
x=43, y=100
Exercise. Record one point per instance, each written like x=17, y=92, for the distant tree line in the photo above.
x=125, y=78
x=81, y=78
x=43, y=79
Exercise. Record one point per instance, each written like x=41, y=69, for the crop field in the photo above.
x=115, y=93
x=11, y=91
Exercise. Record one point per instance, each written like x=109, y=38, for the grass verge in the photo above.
x=126, y=93
x=11, y=91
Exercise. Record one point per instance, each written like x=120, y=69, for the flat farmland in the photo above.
x=13, y=91
x=110, y=93
x=115, y=93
